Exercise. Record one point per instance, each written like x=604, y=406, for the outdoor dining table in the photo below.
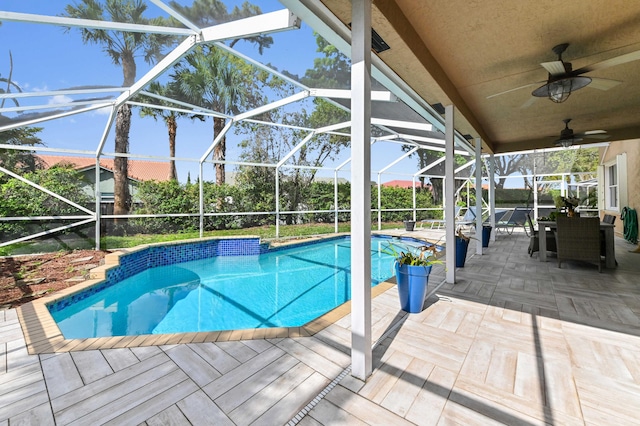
x=609, y=245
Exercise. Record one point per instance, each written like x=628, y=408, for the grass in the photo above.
x=114, y=242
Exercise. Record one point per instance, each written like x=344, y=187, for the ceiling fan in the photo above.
x=568, y=138
x=562, y=79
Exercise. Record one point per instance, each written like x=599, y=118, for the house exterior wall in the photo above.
x=629, y=180
x=106, y=183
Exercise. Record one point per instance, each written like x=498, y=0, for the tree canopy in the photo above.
x=123, y=48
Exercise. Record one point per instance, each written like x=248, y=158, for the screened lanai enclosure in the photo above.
x=132, y=117
x=194, y=118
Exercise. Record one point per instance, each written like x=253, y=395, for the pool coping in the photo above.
x=42, y=334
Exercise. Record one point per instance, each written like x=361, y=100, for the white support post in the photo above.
x=201, y=197
x=277, y=202
x=379, y=189
x=361, y=352
x=478, y=195
x=492, y=188
x=98, y=196
x=335, y=200
x=449, y=195
x=534, y=187
x=413, y=186
x=103, y=139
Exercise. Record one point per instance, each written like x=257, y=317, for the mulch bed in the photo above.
x=25, y=278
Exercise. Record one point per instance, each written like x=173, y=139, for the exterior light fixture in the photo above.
x=567, y=137
x=559, y=90
x=564, y=143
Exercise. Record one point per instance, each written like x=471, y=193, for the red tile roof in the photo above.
x=138, y=169
x=403, y=183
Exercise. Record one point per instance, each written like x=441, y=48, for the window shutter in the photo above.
x=601, y=187
x=623, y=195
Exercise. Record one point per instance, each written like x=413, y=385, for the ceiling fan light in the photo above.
x=565, y=143
x=559, y=90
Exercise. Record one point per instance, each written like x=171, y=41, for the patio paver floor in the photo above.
x=514, y=341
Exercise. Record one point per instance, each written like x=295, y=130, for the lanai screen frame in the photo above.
x=261, y=24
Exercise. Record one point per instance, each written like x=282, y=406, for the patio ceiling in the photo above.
x=459, y=52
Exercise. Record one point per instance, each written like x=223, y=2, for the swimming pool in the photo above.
x=285, y=287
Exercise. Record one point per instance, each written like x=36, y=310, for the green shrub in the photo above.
x=20, y=199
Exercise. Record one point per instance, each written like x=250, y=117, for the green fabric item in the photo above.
x=630, y=218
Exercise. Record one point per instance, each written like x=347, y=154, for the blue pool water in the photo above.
x=282, y=288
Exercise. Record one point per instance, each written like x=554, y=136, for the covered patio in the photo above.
x=507, y=339
x=514, y=341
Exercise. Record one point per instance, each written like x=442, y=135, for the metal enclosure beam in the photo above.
x=93, y=24
x=265, y=23
x=173, y=57
x=387, y=167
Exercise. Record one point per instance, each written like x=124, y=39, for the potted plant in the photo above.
x=409, y=224
x=566, y=205
x=462, y=245
x=412, y=267
x=486, y=235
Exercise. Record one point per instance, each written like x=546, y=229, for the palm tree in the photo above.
x=122, y=48
x=205, y=13
x=168, y=116
x=209, y=77
x=212, y=78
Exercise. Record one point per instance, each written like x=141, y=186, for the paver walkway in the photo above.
x=514, y=341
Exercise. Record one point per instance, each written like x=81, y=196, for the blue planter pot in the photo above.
x=462, y=246
x=409, y=225
x=486, y=234
x=412, y=286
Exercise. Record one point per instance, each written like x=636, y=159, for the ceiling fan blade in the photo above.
x=618, y=60
x=593, y=134
x=554, y=68
x=516, y=88
x=603, y=83
x=597, y=136
x=529, y=102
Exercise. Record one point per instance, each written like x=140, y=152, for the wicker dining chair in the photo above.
x=578, y=238
x=534, y=241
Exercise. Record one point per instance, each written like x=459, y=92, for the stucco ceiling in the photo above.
x=461, y=51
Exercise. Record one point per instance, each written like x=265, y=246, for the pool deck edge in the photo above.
x=42, y=334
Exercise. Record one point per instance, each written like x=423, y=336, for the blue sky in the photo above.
x=45, y=57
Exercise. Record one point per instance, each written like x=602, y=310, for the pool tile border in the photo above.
x=42, y=334
x=126, y=263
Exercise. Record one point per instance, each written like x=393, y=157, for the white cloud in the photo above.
x=59, y=99
x=102, y=111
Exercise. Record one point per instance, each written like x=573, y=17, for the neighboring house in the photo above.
x=341, y=180
x=405, y=184
x=619, y=179
x=138, y=171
